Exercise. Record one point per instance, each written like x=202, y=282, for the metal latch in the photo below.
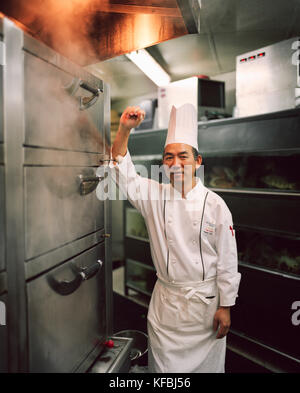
x=2, y=54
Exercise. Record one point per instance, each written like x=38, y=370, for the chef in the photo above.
x=193, y=249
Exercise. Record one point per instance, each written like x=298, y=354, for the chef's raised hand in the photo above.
x=222, y=321
x=131, y=117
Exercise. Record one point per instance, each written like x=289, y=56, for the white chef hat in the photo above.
x=183, y=126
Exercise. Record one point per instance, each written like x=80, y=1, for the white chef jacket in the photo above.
x=192, y=241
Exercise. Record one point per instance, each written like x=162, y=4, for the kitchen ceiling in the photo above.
x=228, y=28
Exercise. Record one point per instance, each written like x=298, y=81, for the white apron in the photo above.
x=180, y=328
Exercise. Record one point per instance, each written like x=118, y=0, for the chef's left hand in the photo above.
x=222, y=321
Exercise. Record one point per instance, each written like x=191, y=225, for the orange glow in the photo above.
x=16, y=22
x=62, y=24
x=145, y=30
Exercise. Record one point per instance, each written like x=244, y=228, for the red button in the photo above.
x=109, y=343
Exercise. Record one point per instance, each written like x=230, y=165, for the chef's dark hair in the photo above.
x=195, y=153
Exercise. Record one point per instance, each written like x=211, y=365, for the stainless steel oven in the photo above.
x=55, y=255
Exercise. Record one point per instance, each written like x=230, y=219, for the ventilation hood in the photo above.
x=95, y=30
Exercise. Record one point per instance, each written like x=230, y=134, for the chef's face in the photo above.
x=181, y=162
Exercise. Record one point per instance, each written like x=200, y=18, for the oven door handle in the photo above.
x=65, y=288
x=87, y=102
x=89, y=272
x=88, y=184
x=84, y=102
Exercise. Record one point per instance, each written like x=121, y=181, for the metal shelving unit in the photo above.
x=264, y=201
x=140, y=273
x=139, y=277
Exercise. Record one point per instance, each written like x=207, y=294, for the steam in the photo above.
x=65, y=25
x=56, y=212
x=53, y=117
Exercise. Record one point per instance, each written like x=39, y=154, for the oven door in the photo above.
x=67, y=313
x=64, y=107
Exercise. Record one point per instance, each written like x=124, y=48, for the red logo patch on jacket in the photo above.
x=230, y=227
